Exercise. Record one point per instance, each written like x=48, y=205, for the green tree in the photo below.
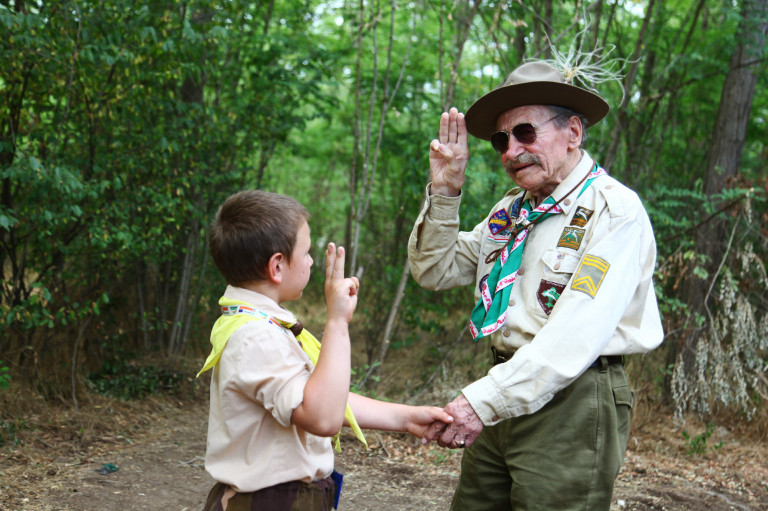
x=126, y=123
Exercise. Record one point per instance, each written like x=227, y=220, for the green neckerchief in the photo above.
x=490, y=312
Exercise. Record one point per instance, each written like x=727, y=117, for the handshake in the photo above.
x=462, y=431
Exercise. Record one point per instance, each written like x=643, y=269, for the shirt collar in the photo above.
x=571, y=180
x=261, y=302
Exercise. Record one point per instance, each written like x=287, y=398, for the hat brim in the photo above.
x=481, y=116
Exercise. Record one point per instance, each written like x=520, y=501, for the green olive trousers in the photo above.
x=565, y=457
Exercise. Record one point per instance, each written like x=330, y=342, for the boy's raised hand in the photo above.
x=340, y=292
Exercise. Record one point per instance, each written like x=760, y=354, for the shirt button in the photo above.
x=495, y=418
x=505, y=333
x=557, y=266
x=567, y=202
x=608, y=187
x=511, y=303
x=521, y=271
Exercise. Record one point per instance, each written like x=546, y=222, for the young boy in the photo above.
x=275, y=401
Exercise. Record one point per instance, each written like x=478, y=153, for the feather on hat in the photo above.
x=532, y=83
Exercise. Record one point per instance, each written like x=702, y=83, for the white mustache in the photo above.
x=523, y=159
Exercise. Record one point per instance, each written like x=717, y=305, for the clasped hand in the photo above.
x=462, y=432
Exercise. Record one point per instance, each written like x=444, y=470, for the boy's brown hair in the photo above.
x=249, y=228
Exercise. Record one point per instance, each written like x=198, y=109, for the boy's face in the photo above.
x=298, y=269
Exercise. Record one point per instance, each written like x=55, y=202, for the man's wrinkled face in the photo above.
x=540, y=166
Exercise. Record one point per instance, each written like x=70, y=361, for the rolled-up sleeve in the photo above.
x=271, y=370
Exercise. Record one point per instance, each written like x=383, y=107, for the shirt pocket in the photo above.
x=557, y=268
x=492, y=243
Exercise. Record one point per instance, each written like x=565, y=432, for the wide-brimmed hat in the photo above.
x=532, y=83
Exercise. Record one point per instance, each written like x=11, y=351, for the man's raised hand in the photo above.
x=448, y=155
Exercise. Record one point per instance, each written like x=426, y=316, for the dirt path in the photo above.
x=160, y=467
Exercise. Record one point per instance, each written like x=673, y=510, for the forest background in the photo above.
x=125, y=124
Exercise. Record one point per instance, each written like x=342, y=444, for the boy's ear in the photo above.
x=276, y=267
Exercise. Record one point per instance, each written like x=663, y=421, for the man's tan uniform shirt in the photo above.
x=584, y=288
x=255, y=387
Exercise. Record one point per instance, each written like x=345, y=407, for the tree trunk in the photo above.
x=723, y=160
x=371, y=157
x=175, y=339
x=384, y=346
x=629, y=79
x=730, y=130
x=394, y=309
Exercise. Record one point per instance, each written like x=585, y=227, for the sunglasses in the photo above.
x=524, y=133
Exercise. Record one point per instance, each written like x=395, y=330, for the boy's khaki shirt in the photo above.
x=556, y=325
x=255, y=387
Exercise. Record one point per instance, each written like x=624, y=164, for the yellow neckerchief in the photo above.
x=235, y=314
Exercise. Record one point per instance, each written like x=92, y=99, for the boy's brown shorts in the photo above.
x=291, y=496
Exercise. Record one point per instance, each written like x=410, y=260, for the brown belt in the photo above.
x=499, y=357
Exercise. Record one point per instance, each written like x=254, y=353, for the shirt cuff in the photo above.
x=492, y=407
x=441, y=207
x=290, y=397
x=485, y=400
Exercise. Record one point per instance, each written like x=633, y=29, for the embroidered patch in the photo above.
x=571, y=238
x=498, y=221
x=581, y=216
x=548, y=294
x=590, y=275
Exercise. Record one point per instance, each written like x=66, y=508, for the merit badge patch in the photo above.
x=548, y=294
x=581, y=216
x=590, y=275
x=498, y=221
x=571, y=238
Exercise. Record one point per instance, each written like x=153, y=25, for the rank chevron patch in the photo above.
x=590, y=275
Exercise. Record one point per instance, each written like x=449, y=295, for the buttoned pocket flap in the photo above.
x=560, y=262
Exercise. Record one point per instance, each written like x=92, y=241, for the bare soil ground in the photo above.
x=157, y=447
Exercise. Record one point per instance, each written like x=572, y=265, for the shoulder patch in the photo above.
x=590, y=275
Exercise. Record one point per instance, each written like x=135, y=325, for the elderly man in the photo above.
x=562, y=267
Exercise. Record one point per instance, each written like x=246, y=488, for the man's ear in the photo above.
x=575, y=132
x=275, y=268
